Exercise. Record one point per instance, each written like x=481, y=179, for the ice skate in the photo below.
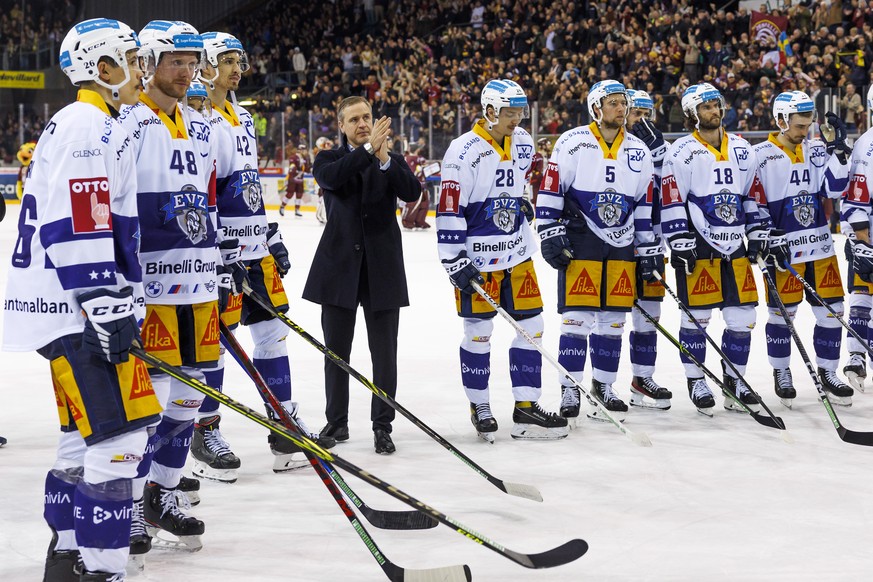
x=783, y=384
x=169, y=527
x=100, y=577
x=742, y=391
x=701, y=396
x=484, y=421
x=213, y=458
x=856, y=370
x=61, y=565
x=282, y=210
x=534, y=423
x=646, y=393
x=140, y=541
x=603, y=393
x=286, y=455
x=838, y=391
x=191, y=488
x=297, y=211
x=570, y=403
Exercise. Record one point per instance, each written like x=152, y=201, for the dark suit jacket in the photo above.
x=361, y=204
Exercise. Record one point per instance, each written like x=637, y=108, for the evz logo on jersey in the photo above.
x=190, y=208
x=524, y=153
x=803, y=209
x=199, y=130
x=250, y=126
x=742, y=155
x=610, y=206
x=635, y=157
x=818, y=156
x=249, y=185
x=502, y=211
x=724, y=206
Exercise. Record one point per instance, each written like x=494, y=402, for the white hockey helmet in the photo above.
x=697, y=94
x=598, y=91
x=89, y=41
x=639, y=99
x=197, y=90
x=791, y=102
x=216, y=44
x=502, y=93
x=169, y=36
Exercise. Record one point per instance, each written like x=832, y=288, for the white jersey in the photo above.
x=66, y=245
x=480, y=200
x=789, y=188
x=856, y=207
x=607, y=186
x=239, y=195
x=707, y=191
x=175, y=165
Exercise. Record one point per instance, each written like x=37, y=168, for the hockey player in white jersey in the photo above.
x=74, y=295
x=594, y=219
x=706, y=213
x=794, y=176
x=180, y=261
x=855, y=219
x=643, y=339
x=483, y=228
x=242, y=217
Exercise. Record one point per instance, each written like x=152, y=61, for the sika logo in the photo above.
x=583, y=285
x=705, y=284
x=623, y=287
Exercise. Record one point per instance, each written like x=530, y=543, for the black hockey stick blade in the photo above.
x=564, y=554
x=445, y=574
x=772, y=422
x=856, y=438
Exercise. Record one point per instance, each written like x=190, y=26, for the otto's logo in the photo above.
x=190, y=208
x=249, y=185
x=610, y=206
x=551, y=180
x=450, y=197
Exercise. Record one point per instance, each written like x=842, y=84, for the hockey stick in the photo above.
x=721, y=354
x=761, y=419
x=382, y=519
x=640, y=438
x=849, y=436
x=563, y=554
x=818, y=299
x=517, y=489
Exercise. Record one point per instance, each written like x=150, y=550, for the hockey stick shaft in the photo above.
x=853, y=437
x=687, y=311
x=638, y=438
x=818, y=299
x=558, y=556
x=382, y=519
x=764, y=420
x=517, y=489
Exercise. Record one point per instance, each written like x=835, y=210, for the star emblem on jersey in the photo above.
x=249, y=185
x=724, y=206
x=803, y=209
x=503, y=212
x=611, y=207
x=190, y=208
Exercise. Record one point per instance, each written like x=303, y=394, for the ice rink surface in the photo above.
x=718, y=498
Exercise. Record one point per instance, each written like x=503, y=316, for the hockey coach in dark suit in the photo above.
x=359, y=260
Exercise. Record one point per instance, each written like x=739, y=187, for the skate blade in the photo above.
x=856, y=381
x=289, y=462
x=787, y=402
x=164, y=540
x=488, y=437
x=537, y=432
x=732, y=406
x=642, y=401
x=572, y=422
x=135, y=565
x=201, y=469
x=840, y=400
x=708, y=412
x=594, y=413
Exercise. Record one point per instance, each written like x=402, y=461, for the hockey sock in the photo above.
x=60, y=488
x=572, y=353
x=736, y=346
x=605, y=354
x=171, y=451
x=277, y=374
x=103, y=532
x=694, y=341
x=643, y=350
x=778, y=345
x=475, y=372
x=859, y=321
x=525, y=373
x=827, y=341
x=214, y=378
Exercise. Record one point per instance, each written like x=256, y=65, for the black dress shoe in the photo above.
x=340, y=433
x=382, y=441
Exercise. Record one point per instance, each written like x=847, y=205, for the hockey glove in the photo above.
x=757, y=246
x=834, y=133
x=862, y=262
x=231, y=273
x=555, y=246
x=779, y=251
x=527, y=208
x=111, y=326
x=649, y=260
x=652, y=136
x=277, y=249
x=684, y=253
x=462, y=272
